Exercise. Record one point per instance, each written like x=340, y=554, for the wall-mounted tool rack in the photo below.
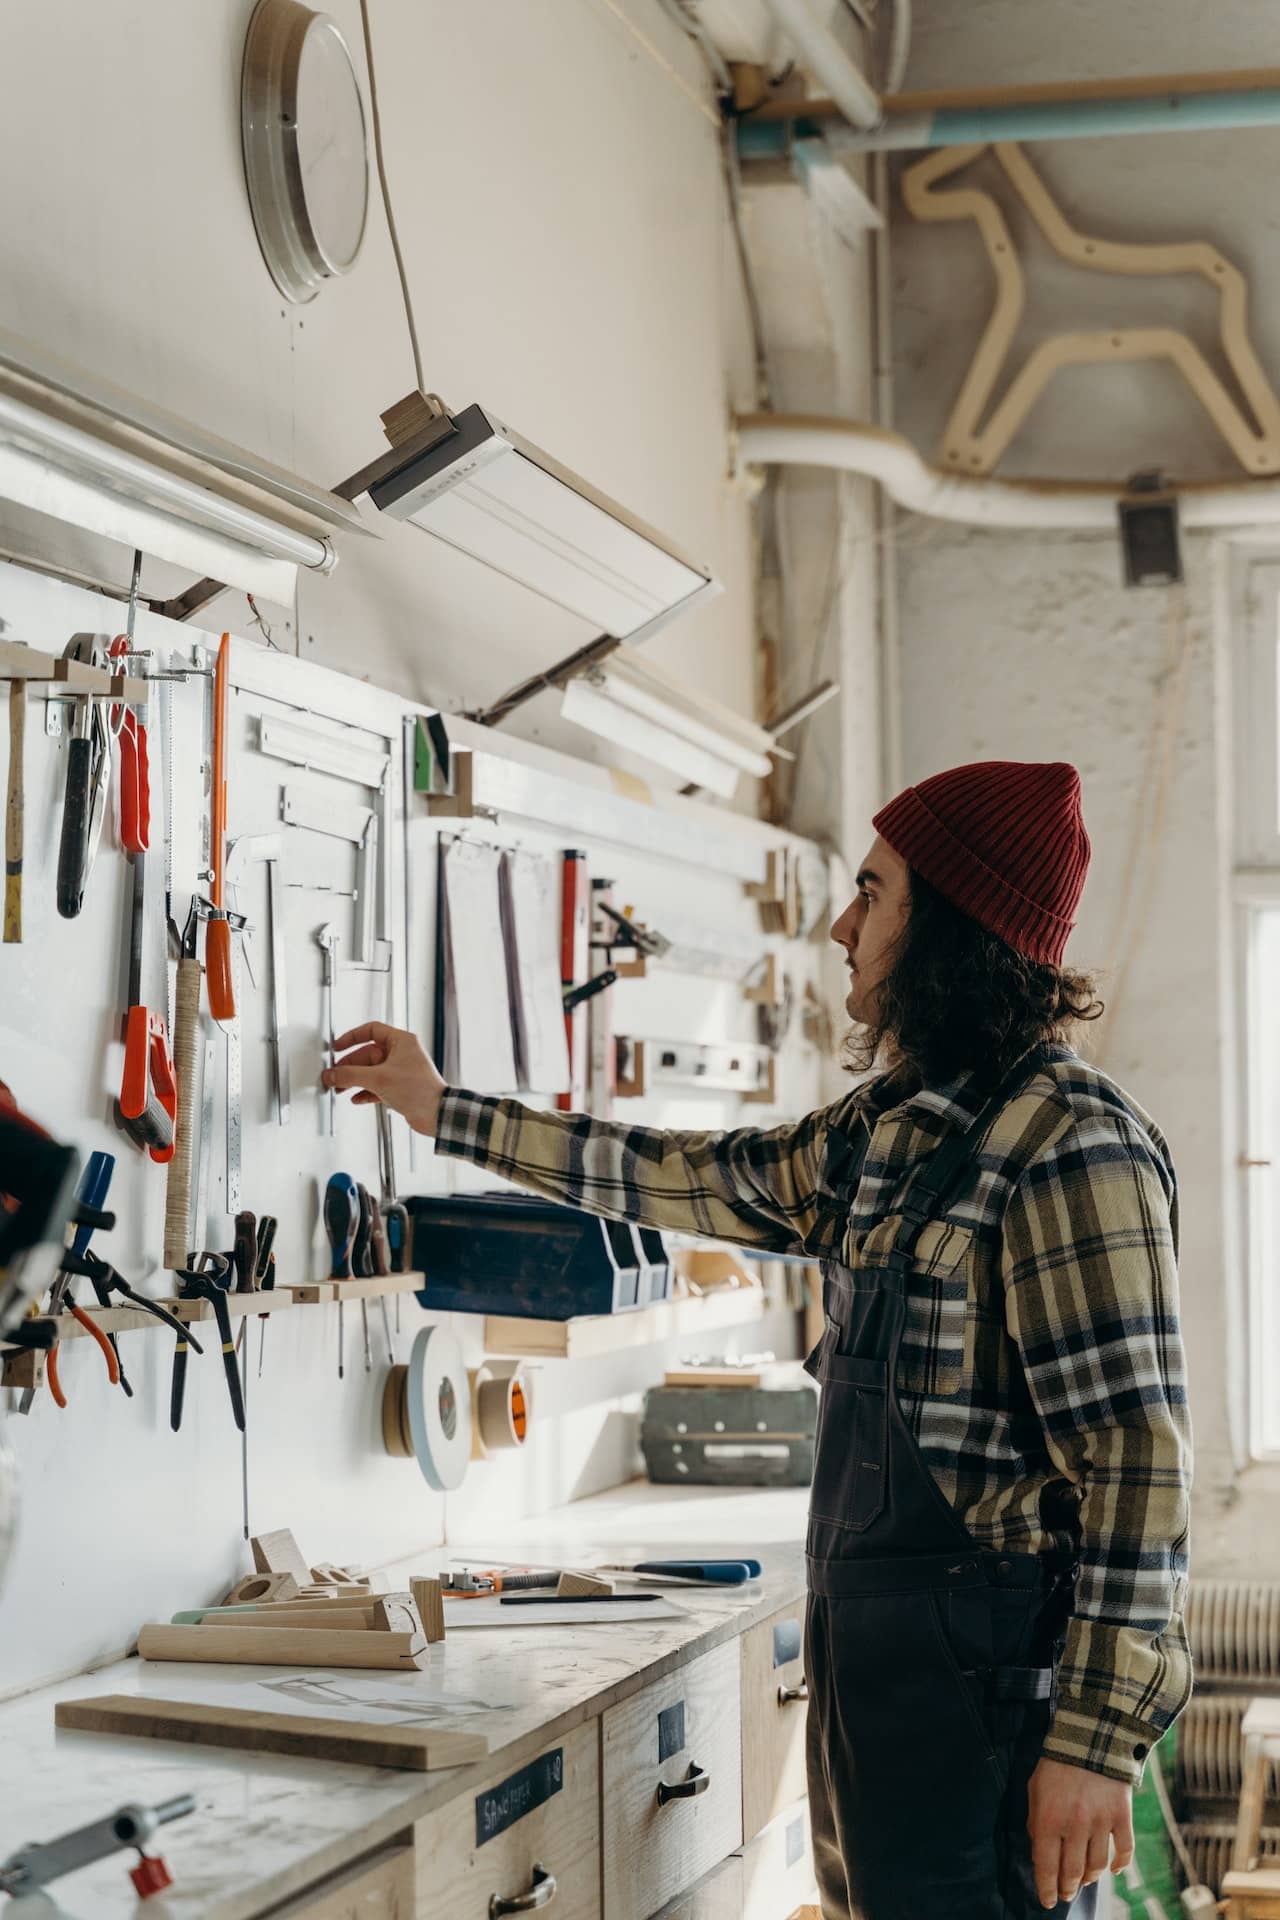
x=24, y=1366
x=18, y=662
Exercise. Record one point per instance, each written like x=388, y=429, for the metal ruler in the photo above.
x=234, y=1092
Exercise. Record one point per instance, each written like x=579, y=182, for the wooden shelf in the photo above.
x=608, y=1333
x=309, y=1293
x=70, y=677
x=278, y=1299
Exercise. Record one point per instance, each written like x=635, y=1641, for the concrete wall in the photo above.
x=1029, y=647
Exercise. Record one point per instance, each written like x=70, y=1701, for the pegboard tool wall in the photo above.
x=114, y=1505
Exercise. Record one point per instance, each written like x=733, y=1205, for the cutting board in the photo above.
x=303, y=1736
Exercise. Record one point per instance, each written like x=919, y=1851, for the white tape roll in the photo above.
x=439, y=1400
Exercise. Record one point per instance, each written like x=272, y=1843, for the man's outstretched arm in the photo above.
x=755, y=1188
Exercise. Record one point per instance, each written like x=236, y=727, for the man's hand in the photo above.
x=390, y=1066
x=1073, y=1816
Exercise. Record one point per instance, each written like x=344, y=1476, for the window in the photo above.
x=1256, y=703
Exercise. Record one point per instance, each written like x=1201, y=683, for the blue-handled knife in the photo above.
x=720, y=1573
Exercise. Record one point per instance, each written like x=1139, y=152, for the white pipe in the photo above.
x=811, y=440
x=899, y=47
x=828, y=62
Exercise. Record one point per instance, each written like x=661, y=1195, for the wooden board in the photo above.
x=459, y=1874
x=422, y=1749
x=308, y=1292
x=281, y=1646
x=279, y=1552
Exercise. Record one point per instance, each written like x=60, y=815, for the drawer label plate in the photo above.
x=671, y=1731
x=786, y=1642
x=501, y=1806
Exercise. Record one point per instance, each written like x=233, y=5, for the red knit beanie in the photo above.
x=1005, y=842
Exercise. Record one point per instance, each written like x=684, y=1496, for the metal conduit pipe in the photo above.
x=910, y=128
x=828, y=62
x=813, y=440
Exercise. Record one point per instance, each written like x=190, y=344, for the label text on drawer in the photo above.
x=786, y=1642
x=532, y=1787
x=671, y=1731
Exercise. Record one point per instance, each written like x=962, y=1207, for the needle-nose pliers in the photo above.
x=208, y=1280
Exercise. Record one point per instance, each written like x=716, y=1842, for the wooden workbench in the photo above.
x=271, y=1835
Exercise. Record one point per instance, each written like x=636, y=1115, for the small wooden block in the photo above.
x=428, y=1597
x=396, y=1614
x=573, y=1584
x=24, y=1369
x=262, y=1588
x=279, y=1553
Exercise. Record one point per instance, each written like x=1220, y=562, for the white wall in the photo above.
x=560, y=204
x=1029, y=647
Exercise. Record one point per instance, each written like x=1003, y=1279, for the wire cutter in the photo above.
x=209, y=1280
x=87, y=1215
x=105, y=1281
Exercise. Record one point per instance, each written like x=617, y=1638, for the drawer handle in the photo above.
x=694, y=1782
x=787, y=1696
x=542, y=1891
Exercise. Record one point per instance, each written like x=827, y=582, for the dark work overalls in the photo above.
x=930, y=1659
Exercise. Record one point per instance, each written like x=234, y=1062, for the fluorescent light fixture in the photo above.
x=478, y=486
x=633, y=702
x=98, y=458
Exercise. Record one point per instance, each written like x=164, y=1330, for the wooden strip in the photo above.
x=428, y=1597
x=422, y=1749
x=282, y=1646
x=310, y=1292
x=310, y=1617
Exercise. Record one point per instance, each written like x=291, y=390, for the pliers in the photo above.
x=105, y=1281
x=208, y=1280
x=88, y=1214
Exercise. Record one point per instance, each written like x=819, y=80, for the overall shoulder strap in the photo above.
x=938, y=1179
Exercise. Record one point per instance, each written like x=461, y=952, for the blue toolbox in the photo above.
x=506, y=1253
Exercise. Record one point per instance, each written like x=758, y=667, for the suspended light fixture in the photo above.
x=479, y=486
x=636, y=704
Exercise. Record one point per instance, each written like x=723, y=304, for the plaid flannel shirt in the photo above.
x=1041, y=1367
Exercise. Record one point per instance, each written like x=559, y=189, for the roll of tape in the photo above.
x=395, y=1435
x=438, y=1396
x=503, y=1409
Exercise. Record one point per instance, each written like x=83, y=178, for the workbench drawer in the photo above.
x=496, y=1842
x=774, y=1712
x=718, y=1896
x=379, y=1888
x=777, y=1867
x=671, y=1777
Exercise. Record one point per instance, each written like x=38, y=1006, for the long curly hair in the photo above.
x=958, y=999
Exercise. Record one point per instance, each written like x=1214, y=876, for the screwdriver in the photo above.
x=244, y=1260
x=341, y=1223
x=264, y=1275
x=362, y=1263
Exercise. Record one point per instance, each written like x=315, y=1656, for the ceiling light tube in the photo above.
x=638, y=700
x=587, y=707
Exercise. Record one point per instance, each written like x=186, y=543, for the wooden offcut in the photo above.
x=282, y=1646
x=428, y=1597
x=279, y=1553
x=262, y=1589
x=422, y=1749
x=572, y=1585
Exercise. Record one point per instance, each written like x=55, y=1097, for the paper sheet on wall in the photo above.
x=531, y=911
x=479, y=1051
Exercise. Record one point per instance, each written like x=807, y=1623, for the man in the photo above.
x=997, y=1547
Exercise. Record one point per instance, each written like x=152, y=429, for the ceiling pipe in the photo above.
x=812, y=440
x=828, y=62
x=1179, y=103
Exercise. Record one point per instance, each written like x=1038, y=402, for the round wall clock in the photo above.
x=305, y=162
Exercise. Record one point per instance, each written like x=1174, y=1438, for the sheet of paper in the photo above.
x=531, y=904
x=479, y=1049
x=578, y=1613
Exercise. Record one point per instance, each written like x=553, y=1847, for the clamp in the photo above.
x=34, y=1866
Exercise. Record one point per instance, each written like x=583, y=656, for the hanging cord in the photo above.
x=1142, y=867
x=405, y=295
x=899, y=46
